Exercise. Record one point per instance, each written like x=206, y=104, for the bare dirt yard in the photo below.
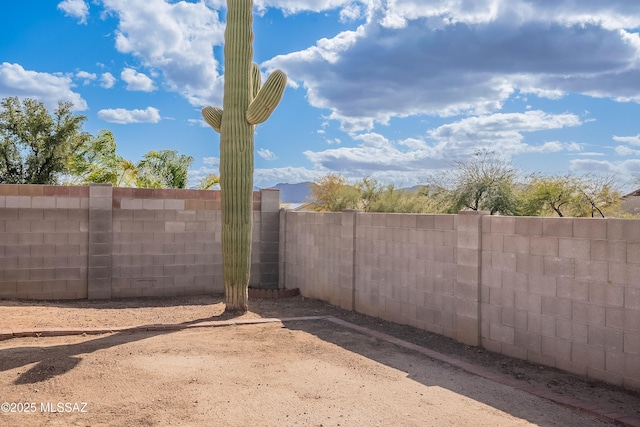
x=304, y=372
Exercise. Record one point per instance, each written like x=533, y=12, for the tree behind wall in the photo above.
x=34, y=145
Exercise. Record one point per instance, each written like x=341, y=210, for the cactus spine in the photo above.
x=246, y=103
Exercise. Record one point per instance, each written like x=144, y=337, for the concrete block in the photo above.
x=606, y=338
x=547, y=325
x=173, y=204
x=427, y=222
x=587, y=313
x=558, y=227
x=445, y=222
x=631, y=342
x=594, y=271
x=501, y=333
x=18, y=201
x=606, y=294
x=559, y=267
x=467, y=330
x=632, y=298
x=614, y=317
x=530, y=264
x=556, y=348
x=579, y=332
x=633, y=253
x=571, y=289
x=574, y=248
x=624, y=274
x=503, y=224
x=515, y=281
x=43, y=202
x=543, y=285
x=528, y=226
x=615, y=362
x=544, y=245
x=590, y=228
x=588, y=355
x=68, y=203
x=516, y=244
x=623, y=229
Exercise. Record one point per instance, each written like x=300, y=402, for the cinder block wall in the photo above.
x=318, y=255
x=562, y=292
x=59, y=242
x=44, y=241
x=405, y=269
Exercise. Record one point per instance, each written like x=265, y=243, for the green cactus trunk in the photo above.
x=236, y=155
x=245, y=105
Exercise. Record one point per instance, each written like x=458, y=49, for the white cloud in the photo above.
x=211, y=161
x=267, y=154
x=468, y=57
x=633, y=140
x=625, y=172
x=297, y=6
x=45, y=87
x=124, y=116
x=137, y=81
x=410, y=158
x=623, y=150
x=76, y=9
x=107, y=80
x=86, y=77
x=175, y=38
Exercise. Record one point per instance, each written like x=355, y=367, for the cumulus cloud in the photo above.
x=176, y=38
x=107, y=80
x=76, y=9
x=86, y=77
x=625, y=171
x=45, y=87
x=468, y=57
x=137, y=81
x=124, y=116
x=267, y=154
x=633, y=140
x=502, y=133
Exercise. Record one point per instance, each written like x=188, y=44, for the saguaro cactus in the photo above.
x=246, y=103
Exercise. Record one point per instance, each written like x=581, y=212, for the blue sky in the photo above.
x=392, y=89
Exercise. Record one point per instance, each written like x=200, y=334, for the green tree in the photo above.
x=485, y=182
x=549, y=195
x=209, y=182
x=97, y=161
x=331, y=193
x=35, y=146
x=164, y=169
x=597, y=196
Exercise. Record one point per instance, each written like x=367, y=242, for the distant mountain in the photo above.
x=300, y=193
x=293, y=193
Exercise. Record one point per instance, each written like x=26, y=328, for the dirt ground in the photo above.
x=294, y=373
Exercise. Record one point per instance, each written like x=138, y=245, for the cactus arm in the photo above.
x=256, y=79
x=267, y=98
x=213, y=116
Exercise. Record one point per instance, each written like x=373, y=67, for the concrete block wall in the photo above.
x=59, y=242
x=318, y=255
x=44, y=241
x=564, y=292
x=405, y=269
